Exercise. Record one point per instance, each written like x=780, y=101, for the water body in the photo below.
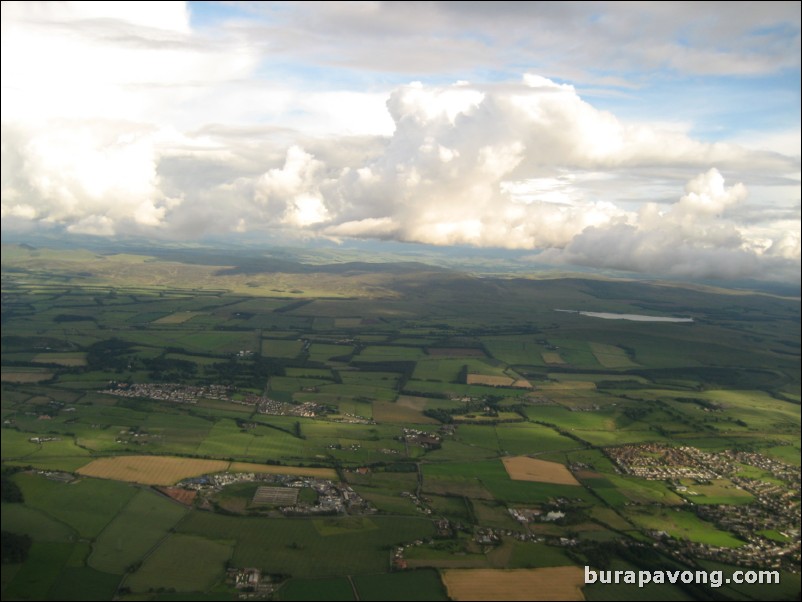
x=632, y=317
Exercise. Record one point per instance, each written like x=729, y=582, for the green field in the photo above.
x=682, y=524
x=144, y=521
x=335, y=588
x=410, y=585
x=86, y=506
x=183, y=563
x=349, y=548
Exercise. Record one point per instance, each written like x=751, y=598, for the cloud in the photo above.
x=560, y=39
x=689, y=239
x=118, y=120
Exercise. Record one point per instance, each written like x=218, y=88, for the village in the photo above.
x=769, y=524
x=332, y=498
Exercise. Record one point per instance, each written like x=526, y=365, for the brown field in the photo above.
x=62, y=359
x=571, y=385
x=24, y=376
x=178, y=317
x=150, y=470
x=347, y=322
x=554, y=583
x=498, y=381
x=301, y=471
x=521, y=468
x=455, y=352
x=168, y=470
x=552, y=357
x=412, y=402
x=182, y=496
x=395, y=413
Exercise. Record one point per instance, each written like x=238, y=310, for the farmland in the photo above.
x=429, y=436
x=531, y=469
x=559, y=583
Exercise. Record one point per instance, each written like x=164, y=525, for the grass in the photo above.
x=19, y=518
x=422, y=584
x=334, y=588
x=297, y=548
x=281, y=348
x=141, y=524
x=682, y=524
x=535, y=555
x=82, y=583
x=390, y=353
x=87, y=506
x=39, y=572
x=184, y=563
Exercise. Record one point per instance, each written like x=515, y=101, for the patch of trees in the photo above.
x=400, y=467
x=637, y=413
x=169, y=369
x=73, y=318
x=111, y=354
x=703, y=403
x=10, y=491
x=15, y=547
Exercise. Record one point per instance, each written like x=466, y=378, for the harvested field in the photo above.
x=168, y=470
x=394, y=413
x=498, y=381
x=178, y=317
x=301, y=471
x=19, y=375
x=522, y=468
x=455, y=352
x=611, y=356
x=150, y=470
x=553, y=583
x=180, y=495
x=552, y=357
x=347, y=322
x=62, y=359
x=414, y=403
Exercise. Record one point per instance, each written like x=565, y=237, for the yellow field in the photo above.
x=178, y=317
x=611, y=356
x=554, y=583
x=301, y=471
x=150, y=470
x=552, y=357
x=498, y=381
x=521, y=468
x=168, y=470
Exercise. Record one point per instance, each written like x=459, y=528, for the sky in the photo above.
x=656, y=137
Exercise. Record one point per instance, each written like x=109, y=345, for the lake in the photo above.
x=632, y=317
